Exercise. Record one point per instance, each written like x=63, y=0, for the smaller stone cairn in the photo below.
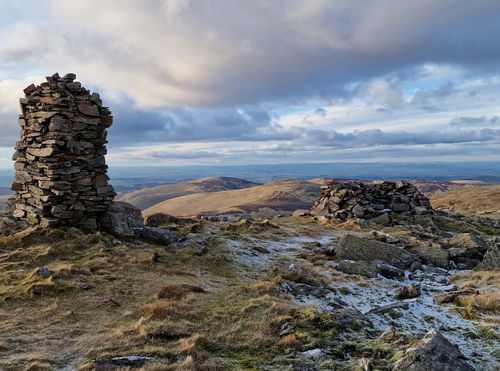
x=59, y=161
x=373, y=202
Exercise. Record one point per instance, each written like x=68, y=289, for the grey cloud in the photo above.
x=471, y=121
x=376, y=137
x=184, y=155
x=320, y=112
x=189, y=124
x=429, y=100
x=228, y=52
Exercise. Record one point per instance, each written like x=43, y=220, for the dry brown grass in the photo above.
x=487, y=301
x=148, y=197
x=178, y=290
x=483, y=303
x=302, y=273
x=163, y=309
x=477, y=199
x=73, y=325
x=303, y=193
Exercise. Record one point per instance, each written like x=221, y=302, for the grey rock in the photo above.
x=370, y=269
x=187, y=244
x=120, y=362
x=123, y=219
x=433, y=352
x=450, y=297
x=157, y=219
x=302, y=289
x=351, y=247
x=349, y=318
x=490, y=261
x=383, y=309
x=407, y=292
x=160, y=235
x=316, y=355
x=301, y=212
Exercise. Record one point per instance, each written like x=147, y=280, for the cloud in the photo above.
x=189, y=124
x=166, y=53
x=474, y=121
x=182, y=155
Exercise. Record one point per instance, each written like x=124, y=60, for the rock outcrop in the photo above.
x=433, y=352
x=59, y=161
x=355, y=248
x=490, y=261
x=374, y=202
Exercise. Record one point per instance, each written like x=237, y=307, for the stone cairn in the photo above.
x=59, y=161
x=374, y=202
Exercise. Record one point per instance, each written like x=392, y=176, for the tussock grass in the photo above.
x=487, y=301
x=178, y=290
x=481, y=303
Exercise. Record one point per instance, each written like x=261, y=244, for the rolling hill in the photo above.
x=148, y=197
x=281, y=196
x=484, y=199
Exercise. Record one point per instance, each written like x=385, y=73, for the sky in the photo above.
x=230, y=82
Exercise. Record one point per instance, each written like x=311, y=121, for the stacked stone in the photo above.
x=59, y=161
x=373, y=201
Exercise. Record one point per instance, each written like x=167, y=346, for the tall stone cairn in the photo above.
x=59, y=161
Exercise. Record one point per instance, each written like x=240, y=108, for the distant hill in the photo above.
x=429, y=187
x=273, y=197
x=484, y=199
x=148, y=197
x=5, y=191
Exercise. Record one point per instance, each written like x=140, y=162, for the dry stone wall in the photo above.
x=375, y=201
x=60, y=167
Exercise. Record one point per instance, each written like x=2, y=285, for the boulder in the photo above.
x=389, y=308
x=360, y=268
x=301, y=212
x=157, y=219
x=115, y=363
x=176, y=245
x=349, y=318
x=431, y=254
x=302, y=289
x=433, y=352
x=316, y=355
x=163, y=236
x=10, y=225
x=490, y=261
x=407, y=292
x=465, y=249
x=122, y=219
x=449, y=297
x=355, y=248
x=370, y=269
x=251, y=226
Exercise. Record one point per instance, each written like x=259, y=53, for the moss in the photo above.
x=489, y=334
x=453, y=225
x=428, y=318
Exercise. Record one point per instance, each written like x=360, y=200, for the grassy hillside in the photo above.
x=282, y=195
x=478, y=199
x=148, y=197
